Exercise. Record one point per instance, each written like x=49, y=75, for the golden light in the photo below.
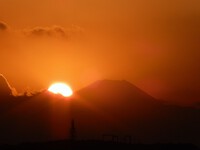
x=61, y=88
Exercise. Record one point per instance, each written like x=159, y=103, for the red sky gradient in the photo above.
x=153, y=44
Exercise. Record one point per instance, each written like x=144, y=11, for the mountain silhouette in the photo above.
x=106, y=107
x=118, y=103
x=130, y=111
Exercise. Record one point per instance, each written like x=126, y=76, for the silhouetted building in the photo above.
x=110, y=138
x=128, y=139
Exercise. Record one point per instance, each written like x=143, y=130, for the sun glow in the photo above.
x=61, y=88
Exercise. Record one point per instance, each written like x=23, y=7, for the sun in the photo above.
x=61, y=88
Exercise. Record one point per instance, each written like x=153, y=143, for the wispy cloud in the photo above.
x=5, y=88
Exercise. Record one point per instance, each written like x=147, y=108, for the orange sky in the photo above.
x=153, y=44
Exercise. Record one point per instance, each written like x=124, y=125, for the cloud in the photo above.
x=54, y=32
x=3, y=26
x=5, y=88
x=19, y=36
x=38, y=31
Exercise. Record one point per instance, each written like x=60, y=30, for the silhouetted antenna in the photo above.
x=72, y=131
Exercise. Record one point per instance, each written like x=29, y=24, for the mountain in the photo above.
x=127, y=110
x=118, y=103
x=106, y=107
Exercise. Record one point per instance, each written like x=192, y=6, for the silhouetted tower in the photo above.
x=72, y=131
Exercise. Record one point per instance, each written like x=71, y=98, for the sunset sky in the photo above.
x=153, y=44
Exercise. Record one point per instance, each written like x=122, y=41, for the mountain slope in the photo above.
x=120, y=96
x=128, y=110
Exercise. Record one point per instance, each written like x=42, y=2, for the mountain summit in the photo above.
x=116, y=90
x=118, y=97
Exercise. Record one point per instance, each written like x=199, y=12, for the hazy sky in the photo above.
x=153, y=44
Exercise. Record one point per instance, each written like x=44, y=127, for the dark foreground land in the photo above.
x=96, y=145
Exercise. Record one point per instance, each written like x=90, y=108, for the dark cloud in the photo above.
x=54, y=31
x=39, y=31
x=3, y=26
x=57, y=30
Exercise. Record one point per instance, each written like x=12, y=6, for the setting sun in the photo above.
x=61, y=88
